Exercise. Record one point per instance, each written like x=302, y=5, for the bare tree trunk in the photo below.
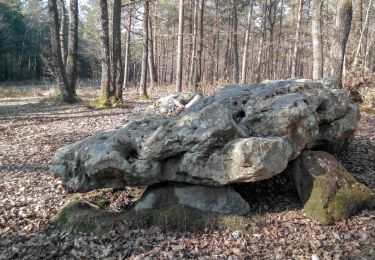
x=271, y=21
x=217, y=40
x=277, y=74
x=180, y=47
x=357, y=17
x=343, y=24
x=127, y=48
x=151, y=63
x=369, y=56
x=198, y=65
x=116, y=45
x=236, y=71
x=317, y=39
x=163, y=69
x=261, y=43
x=20, y=56
x=360, y=42
x=194, y=43
x=62, y=81
x=106, y=67
x=190, y=17
x=297, y=40
x=200, y=43
x=71, y=63
x=154, y=37
x=63, y=30
x=228, y=44
x=247, y=41
x=142, y=85
x=171, y=58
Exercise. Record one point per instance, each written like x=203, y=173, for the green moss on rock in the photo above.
x=327, y=190
x=314, y=197
x=184, y=218
x=349, y=199
x=74, y=217
x=83, y=216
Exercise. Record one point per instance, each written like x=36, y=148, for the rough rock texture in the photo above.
x=216, y=199
x=174, y=103
x=340, y=130
x=327, y=190
x=240, y=134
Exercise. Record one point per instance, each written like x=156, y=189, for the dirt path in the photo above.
x=30, y=196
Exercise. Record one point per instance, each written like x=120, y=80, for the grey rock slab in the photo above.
x=174, y=103
x=170, y=105
x=340, y=129
x=242, y=133
x=216, y=199
x=242, y=160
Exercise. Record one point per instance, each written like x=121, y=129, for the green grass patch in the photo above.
x=107, y=103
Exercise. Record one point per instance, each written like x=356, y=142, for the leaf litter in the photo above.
x=30, y=196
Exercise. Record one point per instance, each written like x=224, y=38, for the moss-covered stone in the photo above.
x=349, y=199
x=327, y=190
x=74, y=217
x=83, y=216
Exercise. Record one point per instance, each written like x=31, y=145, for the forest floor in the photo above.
x=31, y=130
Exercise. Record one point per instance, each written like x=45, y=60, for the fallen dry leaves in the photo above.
x=30, y=196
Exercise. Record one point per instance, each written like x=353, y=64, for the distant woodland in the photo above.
x=185, y=42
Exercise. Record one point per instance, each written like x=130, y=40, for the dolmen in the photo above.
x=189, y=149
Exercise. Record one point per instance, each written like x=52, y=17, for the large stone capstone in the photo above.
x=242, y=133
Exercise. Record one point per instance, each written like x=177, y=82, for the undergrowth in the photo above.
x=14, y=92
x=361, y=86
